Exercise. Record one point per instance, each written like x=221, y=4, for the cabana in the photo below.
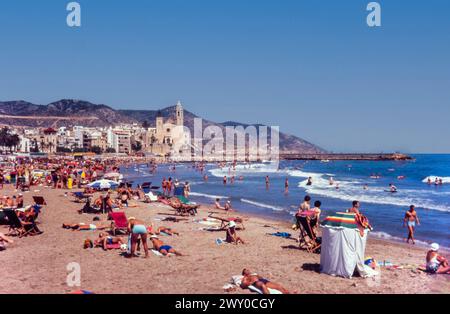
x=343, y=246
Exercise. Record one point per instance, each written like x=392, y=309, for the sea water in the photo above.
x=385, y=210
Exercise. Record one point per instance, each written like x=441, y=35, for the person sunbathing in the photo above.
x=152, y=231
x=85, y=227
x=104, y=240
x=253, y=279
x=231, y=235
x=436, y=264
x=4, y=239
x=162, y=248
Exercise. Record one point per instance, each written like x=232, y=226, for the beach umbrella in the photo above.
x=104, y=184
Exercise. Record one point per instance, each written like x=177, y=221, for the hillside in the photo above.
x=69, y=112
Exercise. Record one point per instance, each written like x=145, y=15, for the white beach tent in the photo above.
x=343, y=247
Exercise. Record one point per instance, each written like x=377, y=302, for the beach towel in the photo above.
x=271, y=291
x=157, y=253
x=281, y=234
x=237, y=280
x=115, y=246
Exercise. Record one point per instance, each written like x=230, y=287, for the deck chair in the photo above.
x=185, y=206
x=306, y=230
x=119, y=223
x=19, y=228
x=39, y=200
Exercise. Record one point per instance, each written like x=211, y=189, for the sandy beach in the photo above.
x=38, y=264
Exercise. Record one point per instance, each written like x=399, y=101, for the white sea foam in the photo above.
x=445, y=180
x=272, y=207
x=245, y=169
x=207, y=195
x=353, y=190
x=387, y=236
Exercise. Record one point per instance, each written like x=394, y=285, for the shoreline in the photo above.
x=206, y=266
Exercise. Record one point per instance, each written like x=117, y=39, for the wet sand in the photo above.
x=38, y=264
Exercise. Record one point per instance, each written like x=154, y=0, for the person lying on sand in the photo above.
x=138, y=232
x=231, y=235
x=4, y=239
x=162, y=248
x=436, y=264
x=253, y=279
x=85, y=227
x=152, y=231
x=104, y=240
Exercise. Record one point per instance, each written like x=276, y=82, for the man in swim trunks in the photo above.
x=138, y=231
x=253, y=279
x=411, y=219
x=162, y=248
x=436, y=264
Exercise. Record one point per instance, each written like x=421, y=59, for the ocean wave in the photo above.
x=445, y=180
x=389, y=237
x=272, y=207
x=207, y=195
x=245, y=169
x=353, y=190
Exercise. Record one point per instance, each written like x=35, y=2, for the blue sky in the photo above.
x=312, y=67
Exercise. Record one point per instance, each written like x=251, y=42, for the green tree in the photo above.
x=136, y=146
x=97, y=150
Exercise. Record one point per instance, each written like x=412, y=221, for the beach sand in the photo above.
x=38, y=264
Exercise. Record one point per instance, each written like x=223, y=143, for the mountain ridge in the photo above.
x=71, y=112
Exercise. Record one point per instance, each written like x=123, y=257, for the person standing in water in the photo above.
x=286, y=186
x=267, y=182
x=411, y=219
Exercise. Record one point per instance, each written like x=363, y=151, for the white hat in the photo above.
x=153, y=236
x=434, y=247
x=232, y=224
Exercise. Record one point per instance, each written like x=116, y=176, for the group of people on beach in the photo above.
x=68, y=174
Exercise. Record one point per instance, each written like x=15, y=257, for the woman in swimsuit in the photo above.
x=436, y=264
x=138, y=232
x=411, y=219
x=253, y=279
